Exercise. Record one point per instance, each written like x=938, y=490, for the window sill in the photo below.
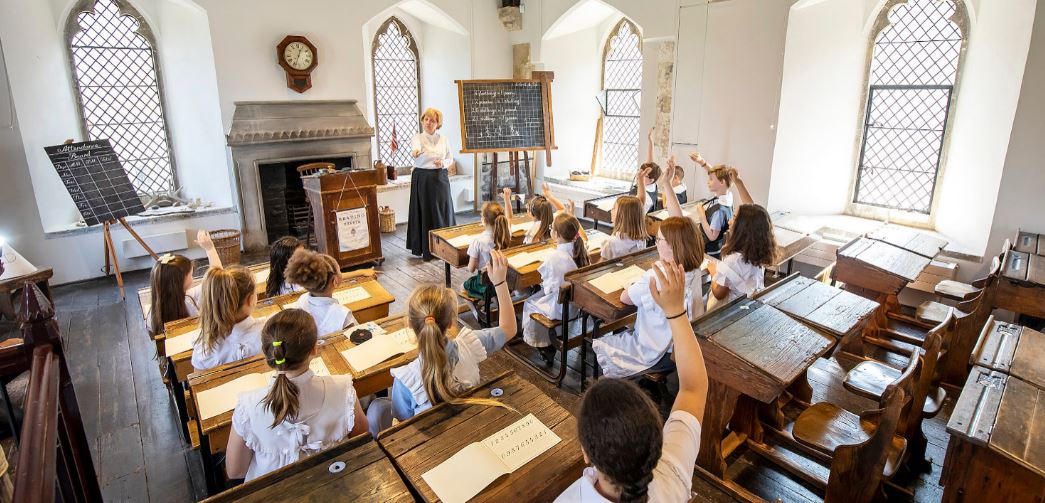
x=75, y=230
x=847, y=227
x=597, y=186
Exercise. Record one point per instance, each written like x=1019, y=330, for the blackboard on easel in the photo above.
x=496, y=171
x=505, y=115
x=96, y=181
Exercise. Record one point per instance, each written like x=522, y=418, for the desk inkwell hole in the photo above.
x=360, y=336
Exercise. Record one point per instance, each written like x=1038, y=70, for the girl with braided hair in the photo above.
x=299, y=414
x=633, y=456
x=445, y=369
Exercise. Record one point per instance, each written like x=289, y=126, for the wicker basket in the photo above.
x=387, y=218
x=227, y=245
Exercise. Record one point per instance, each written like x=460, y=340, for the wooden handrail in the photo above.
x=37, y=455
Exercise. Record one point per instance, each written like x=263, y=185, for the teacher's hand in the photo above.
x=438, y=163
x=415, y=153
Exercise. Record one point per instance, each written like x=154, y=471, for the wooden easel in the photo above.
x=110, y=250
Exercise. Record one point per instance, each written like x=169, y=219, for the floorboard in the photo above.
x=136, y=441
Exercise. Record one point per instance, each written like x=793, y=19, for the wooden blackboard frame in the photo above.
x=544, y=79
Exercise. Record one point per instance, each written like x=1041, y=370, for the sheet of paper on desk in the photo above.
x=542, y=255
x=663, y=214
x=596, y=240
x=520, y=259
x=180, y=343
x=606, y=205
x=521, y=226
x=261, y=276
x=354, y=294
x=221, y=399
x=499, y=454
x=371, y=353
x=785, y=237
x=618, y=280
x=462, y=240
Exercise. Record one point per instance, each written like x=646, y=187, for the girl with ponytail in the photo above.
x=635, y=457
x=445, y=369
x=228, y=332
x=496, y=236
x=570, y=253
x=299, y=413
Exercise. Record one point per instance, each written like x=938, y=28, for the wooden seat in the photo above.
x=870, y=378
x=313, y=168
x=932, y=312
x=954, y=290
x=544, y=321
x=826, y=427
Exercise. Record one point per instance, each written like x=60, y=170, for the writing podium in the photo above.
x=344, y=213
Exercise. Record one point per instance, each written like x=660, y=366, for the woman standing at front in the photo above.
x=430, y=204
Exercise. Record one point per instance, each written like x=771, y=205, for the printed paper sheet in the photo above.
x=617, y=280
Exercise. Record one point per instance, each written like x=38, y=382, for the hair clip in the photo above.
x=277, y=344
x=166, y=258
x=281, y=361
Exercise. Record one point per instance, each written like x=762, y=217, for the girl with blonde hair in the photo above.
x=228, y=332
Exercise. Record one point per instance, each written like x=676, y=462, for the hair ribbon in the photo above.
x=166, y=258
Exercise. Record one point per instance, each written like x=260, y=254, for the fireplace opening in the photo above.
x=284, y=208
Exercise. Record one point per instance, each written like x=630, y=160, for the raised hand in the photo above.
x=668, y=173
x=649, y=136
x=507, y=193
x=671, y=295
x=204, y=241
x=497, y=268
x=570, y=206
x=545, y=189
x=697, y=158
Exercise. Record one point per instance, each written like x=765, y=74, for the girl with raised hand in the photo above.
x=542, y=211
x=750, y=248
x=497, y=235
x=172, y=296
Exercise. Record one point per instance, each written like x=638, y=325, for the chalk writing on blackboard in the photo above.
x=95, y=180
x=502, y=116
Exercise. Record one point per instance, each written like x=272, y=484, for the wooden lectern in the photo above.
x=344, y=210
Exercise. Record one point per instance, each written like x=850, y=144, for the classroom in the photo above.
x=522, y=250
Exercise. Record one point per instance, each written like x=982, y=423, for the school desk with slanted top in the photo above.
x=833, y=310
x=354, y=470
x=214, y=431
x=1022, y=285
x=1011, y=349
x=456, y=254
x=426, y=440
x=909, y=239
x=876, y=269
x=374, y=307
x=997, y=448
x=753, y=353
x=598, y=209
x=527, y=275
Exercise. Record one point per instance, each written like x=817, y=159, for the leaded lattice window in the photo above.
x=113, y=59
x=396, y=92
x=913, y=71
x=621, y=83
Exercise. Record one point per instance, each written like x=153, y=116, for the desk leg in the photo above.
x=745, y=420
x=446, y=268
x=723, y=400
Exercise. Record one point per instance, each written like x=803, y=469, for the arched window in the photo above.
x=621, y=83
x=397, y=80
x=113, y=57
x=914, y=67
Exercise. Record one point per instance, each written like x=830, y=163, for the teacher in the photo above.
x=430, y=204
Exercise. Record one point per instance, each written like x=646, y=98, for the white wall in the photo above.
x=818, y=126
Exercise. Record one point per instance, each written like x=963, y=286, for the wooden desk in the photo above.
x=909, y=239
x=215, y=430
x=367, y=475
x=1022, y=286
x=9, y=286
x=874, y=268
x=598, y=209
x=526, y=276
x=371, y=308
x=606, y=306
x=833, y=310
x=1029, y=242
x=1011, y=349
x=790, y=244
x=426, y=440
x=997, y=450
x=457, y=256
x=757, y=351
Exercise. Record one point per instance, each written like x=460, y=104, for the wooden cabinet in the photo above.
x=333, y=193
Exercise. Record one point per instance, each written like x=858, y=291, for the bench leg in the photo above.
x=177, y=391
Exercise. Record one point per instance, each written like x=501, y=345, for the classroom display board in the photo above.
x=96, y=181
x=505, y=115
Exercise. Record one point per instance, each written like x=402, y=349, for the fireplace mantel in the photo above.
x=273, y=131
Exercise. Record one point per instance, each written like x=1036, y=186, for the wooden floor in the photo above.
x=135, y=440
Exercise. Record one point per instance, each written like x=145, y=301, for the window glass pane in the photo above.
x=622, y=80
x=395, y=92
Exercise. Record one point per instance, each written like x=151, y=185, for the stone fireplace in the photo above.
x=269, y=139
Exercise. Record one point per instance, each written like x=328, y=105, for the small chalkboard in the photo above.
x=96, y=181
x=505, y=115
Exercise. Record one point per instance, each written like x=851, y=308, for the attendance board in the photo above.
x=504, y=115
x=96, y=180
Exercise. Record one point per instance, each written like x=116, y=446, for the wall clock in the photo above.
x=298, y=57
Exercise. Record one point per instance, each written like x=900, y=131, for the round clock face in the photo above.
x=298, y=55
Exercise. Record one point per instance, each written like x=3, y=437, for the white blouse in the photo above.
x=740, y=277
x=242, y=342
x=327, y=416
x=330, y=315
x=432, y=147
x=617, y=246
x=480, y=248
x=193, y=298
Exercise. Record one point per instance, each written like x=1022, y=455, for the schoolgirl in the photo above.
x=497, y=235
x=279, y=255
x=228, y=332
x=171, y=294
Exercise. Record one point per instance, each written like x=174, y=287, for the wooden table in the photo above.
x=1022, y=286
x=520, y=278
x=753, y=352
x=354, y=470
x=426, y=440
x=1029, y=242
x=790, y=244
x=909, y=239
x=606, y=306
x=598, y=209
x=997, y=446
x=9, y=286
x=833, y=310
x=457, y=256
x=873, y=268
x=1011, y=349
x=371, y=308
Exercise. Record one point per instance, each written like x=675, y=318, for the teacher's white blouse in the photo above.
x=432, y=147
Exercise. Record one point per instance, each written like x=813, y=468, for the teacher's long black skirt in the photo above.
x=430, y=208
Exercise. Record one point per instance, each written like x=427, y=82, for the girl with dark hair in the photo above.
x=634, y=457
x=750, y=248
x=445, y=368
x=570, y=253
x=320, y=275
x=279, y=255
x=171, y=294
x=300, y=413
